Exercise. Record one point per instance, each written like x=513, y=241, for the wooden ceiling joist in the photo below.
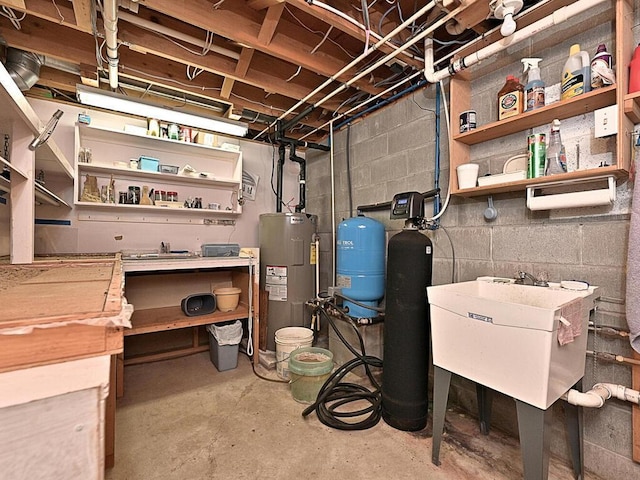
x=270, y=23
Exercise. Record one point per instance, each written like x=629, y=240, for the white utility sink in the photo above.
x=504, y=336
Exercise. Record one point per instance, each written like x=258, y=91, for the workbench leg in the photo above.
x=110, y=417
x=441, y=382
x=119, y=383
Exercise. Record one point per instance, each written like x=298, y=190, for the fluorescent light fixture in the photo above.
x=119, y=103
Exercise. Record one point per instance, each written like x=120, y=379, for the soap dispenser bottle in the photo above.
x=534, y=89
x=556, y=156
x=576, y=74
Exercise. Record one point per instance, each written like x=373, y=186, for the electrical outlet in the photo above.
x=606, y=121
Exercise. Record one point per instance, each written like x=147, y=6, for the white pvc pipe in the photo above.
x=393, y=54
x=110, y=14
x=351, y=20
x=333, y=205
x=353, y=63
x=601, y=392
x=365, y=103
x=154, y=27
x=557, y=17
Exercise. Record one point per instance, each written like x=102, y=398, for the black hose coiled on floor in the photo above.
x=335, y=394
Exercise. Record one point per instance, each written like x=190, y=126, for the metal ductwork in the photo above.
x=23, y=67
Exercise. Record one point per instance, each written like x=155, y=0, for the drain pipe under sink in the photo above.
x=599, y=393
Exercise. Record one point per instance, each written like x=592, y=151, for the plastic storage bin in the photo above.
x=148, y=164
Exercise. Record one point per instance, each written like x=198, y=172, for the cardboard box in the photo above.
x=209, y=139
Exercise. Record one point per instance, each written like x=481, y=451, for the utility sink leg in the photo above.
x=485, y=402
x=573, y=417
x=533, y=426
x=441, y=382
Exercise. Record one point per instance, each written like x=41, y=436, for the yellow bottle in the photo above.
x=576, y=74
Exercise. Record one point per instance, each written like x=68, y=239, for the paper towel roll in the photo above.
x=584, y=198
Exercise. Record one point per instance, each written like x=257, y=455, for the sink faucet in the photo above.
x=521, y=278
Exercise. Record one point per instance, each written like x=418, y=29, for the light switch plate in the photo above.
x=606, y=121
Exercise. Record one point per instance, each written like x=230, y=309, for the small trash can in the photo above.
x=224, y=340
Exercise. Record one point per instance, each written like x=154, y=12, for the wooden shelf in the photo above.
x=579, y=105
x=154, y=208
x=42, y=194
x=217, y=174
x=632, y=106
x=48, y=156
x=110, y=135
x=460, y=151
x=521, y=185
x=171, y=318
x=158, y=177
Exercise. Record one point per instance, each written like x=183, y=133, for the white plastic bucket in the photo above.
x=287, y=340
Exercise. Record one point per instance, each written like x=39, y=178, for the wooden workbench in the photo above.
x=62, y=310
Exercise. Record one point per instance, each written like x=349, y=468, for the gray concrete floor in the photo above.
x=182, y=419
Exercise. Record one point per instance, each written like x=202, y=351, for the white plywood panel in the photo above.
x=54, y=438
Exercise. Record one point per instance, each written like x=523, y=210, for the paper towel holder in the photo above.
x=571, y=193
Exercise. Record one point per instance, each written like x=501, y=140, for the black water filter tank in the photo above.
x=407, y=331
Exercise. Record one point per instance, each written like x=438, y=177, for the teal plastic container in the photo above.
x=309, y=368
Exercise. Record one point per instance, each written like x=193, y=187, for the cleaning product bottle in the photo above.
x=556, y=156
x=634, y=71
x=534, y=89
x=510, y=98
x=576, y=74
x=602, y=74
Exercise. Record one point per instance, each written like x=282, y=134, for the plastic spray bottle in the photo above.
x=556, y=156
x=602, y=74
x=576, y=74
x=534, y=89
x=510, y=98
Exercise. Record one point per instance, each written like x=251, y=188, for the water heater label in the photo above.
x=477, y=316
x=343, y=281
x=276, y=283
x=296, y=220
x=312, y=254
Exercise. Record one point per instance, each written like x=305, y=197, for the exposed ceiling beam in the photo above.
x=60, y=12
x=19, y=4
x=69, y=45
x=262, y=4
x=82, y=12
x=270, y=23
x=235, y=21
x=244, y=61
x=348, y=27
x=52, y=40
x=227, y=85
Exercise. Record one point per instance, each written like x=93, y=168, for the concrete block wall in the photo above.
x=392, y=150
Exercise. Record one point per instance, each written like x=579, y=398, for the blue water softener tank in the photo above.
x=360, y=258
